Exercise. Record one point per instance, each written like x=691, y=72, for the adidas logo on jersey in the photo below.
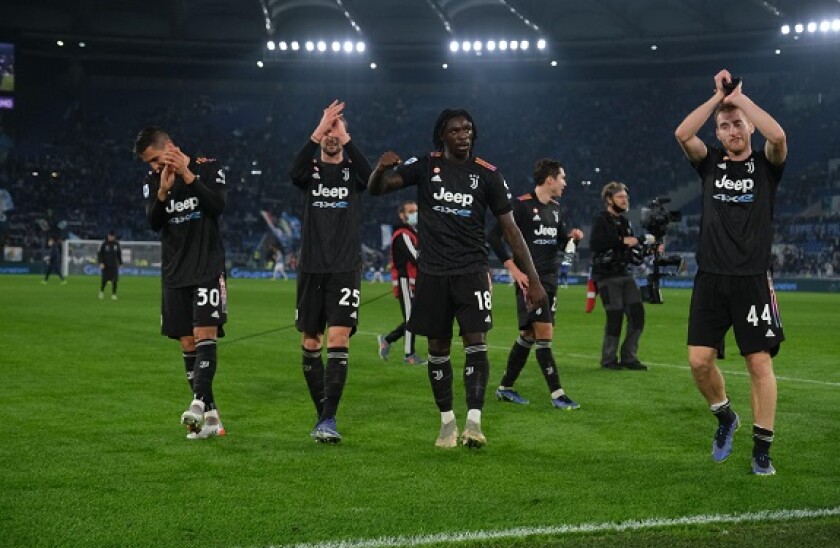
x=215, y=314
x=769, y=333
x=354, y=315
x=437, y=179
x=722, y=166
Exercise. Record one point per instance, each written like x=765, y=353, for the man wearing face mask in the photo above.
x=611, y=242
x=404, y=246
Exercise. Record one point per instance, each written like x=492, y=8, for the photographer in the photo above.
x=614, y=250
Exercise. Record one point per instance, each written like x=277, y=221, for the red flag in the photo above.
x=591, y=293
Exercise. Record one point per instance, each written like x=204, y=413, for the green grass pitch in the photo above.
x=91, y=452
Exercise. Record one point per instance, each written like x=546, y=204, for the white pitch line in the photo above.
x=603, y=527
x=671, y=365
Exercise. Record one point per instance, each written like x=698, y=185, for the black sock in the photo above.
x=440, y=375
x=113, y=288
x=396, y=334
x=724, y=414
x=102, y=289
x=205, y=370
x=762, y=439
x=516, y=360
x=334, y=378
x=189, y=366
x=476, y=371
x=313, y=372
x=545, y=357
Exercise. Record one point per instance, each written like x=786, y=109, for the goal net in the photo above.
x=140, y=258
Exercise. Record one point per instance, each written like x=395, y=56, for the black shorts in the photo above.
x=184, y=308
x=746, y=303
x=110, y=274
x=439, y=300
x=543, y=314
x=327, y=299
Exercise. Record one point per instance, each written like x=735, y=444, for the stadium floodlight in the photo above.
x=523, y=45
x=541, y=44
x=270, y=45
x=310, y=45
x=654, y=47
x=825, y=26
x=283, y=46
x=360, y=47
x=82, y=45
x=477, y=45
x=322, y=46
x=835, y=25
x=503, y=45
x=348, y=46
x=491, y=45
x=785, y=29
x=336, y=46
x=514, y=45
x=260, y=64
x=295, y=45
x=812, y=27
x=445, y=66
x=373, y=66
x=554, y=63
x=59, y=43
x=454, y=46
x=799, y=27
x=778, y=52
x=466, y=46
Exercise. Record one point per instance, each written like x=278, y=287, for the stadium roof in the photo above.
x=415, y=31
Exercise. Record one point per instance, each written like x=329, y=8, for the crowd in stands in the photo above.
x=71, y=172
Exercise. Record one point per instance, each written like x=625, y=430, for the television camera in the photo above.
x=655, y=220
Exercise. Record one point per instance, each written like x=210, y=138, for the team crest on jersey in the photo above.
x=316, y=175
x=204, y=160
x=437, y=179
x=473, y=181
x=345, y=174
x=485, y=164
x=751, y=165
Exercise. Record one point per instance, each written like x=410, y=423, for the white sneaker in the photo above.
x=473, y=437
x=212, y=427
x=193, y=418
x=448, y=436
x=113, y=297
x=101, y=295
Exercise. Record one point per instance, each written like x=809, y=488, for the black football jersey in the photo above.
x=191, y=244
x=736, y=227
x=453, y=199
x=110, y=254
x=330, y=239
x=544, y=231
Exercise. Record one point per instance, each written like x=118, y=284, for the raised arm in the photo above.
x=384, y=179
x=776, y=146
x=522, y=257
x=686, y=133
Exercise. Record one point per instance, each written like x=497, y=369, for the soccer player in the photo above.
x=330, y=267
x=53, y=261
x=109, y=259
x=537, y=214
x=455, y=190
x=279, y=265
x=184, y=199
x=733, y=286
x=404, y=251
x=611, y=243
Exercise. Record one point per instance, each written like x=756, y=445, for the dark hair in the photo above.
x=148, y=136
x=446, y=115
x=611, y=188
x=403, y=205
x=546, y=168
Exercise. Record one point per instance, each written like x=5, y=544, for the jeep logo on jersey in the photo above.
x=546, y=231
x=337, y=192
x=739, y=185
x=189, y=203
x=464, y=200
